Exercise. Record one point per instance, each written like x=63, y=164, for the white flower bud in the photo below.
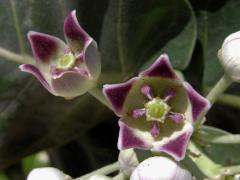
x=99, y=177
x=128, y=161
x=229, y=56
x=161, y=168
x=47, y=173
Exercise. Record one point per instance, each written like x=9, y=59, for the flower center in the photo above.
x=66, y=62
x=156, y=110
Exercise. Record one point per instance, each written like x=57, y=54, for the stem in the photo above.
x=17, y=26
x=120, y=176
x=219, y=88
x=102, y=171
x=11, y=56
x=229, y=100
x=212, y=96
x=97, y=93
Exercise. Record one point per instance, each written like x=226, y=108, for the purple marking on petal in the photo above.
x=155, y=129
x=198, y=102
x=169, y=95
x=117, y=93
x=137, y=113
x=43, y=46
x=146, y=90
x=72, y=29
x=35, y=71
x=127, y=138
x=160, y=68
x=177, y=146
x=176, y=117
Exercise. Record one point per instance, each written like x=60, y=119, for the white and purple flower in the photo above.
x=157, y=110
x=66, y=70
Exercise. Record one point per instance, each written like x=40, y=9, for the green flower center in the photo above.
x=66, y=62
x=156, y=110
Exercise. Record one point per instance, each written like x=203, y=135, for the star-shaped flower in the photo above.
x=66, y=70
x=157, y=110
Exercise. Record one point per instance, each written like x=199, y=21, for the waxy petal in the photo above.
x=160, y=68
x=45, y=47
x=35, y=71
x=74, y=34
x=70, y=84
x=198, y=102
x=128, y=138
x=92, y=59
x=117, y=93
x=176, y=146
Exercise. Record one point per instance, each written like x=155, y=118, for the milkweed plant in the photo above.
x=161, y=116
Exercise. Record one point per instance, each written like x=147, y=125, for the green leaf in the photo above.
x=216, y=20
x=135, y=32
x=222, y=147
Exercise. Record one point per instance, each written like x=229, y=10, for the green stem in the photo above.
x=219, y=88
x=17, y=27
x=97, y=93
x=11, y=56
x=102, y=171
x=229, y=100
x=212, y=96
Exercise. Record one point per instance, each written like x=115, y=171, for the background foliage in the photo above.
x=81, y=134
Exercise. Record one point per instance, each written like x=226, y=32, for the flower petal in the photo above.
x=45, y=47
x=117, y=93
x=92, y=59
x=129, y=139
x=160, y=68
x=198, y=102
x=74, y=34
x=176, y=146
x=70, y=84
x=35, y=71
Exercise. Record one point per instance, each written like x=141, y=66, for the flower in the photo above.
x=66, y=70
x=229, y=56
x=160, y=168
x=99, y=177
x=157, y=110
x=47, y=173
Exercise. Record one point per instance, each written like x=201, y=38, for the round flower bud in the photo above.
x=47, y=173
x=160, y=168
x=229, y=56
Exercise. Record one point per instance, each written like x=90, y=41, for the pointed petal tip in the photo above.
x=176, y=146
x=160, y=68
x=128, y=139
x=117, y=93
x=199, y=103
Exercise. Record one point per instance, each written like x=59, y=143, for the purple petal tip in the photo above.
x=160, y=68
x=117, y=93
x=127, y=139
x=198, y=102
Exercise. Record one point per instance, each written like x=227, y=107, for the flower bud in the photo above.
x=99, y=177
x=160, y=168
x=47, y=173
x=128, y=161
x=229, y=56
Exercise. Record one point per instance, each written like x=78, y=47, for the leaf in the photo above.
x=135, y=32
x=218, y=149
x=216, y=20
